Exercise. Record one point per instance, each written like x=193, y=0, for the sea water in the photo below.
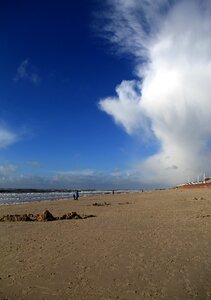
x=12, y=198
x=16, y=198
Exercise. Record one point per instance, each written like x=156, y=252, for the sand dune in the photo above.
x=151, y=245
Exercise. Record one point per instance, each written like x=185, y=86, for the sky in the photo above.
x=104, y=94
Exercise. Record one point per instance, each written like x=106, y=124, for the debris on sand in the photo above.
x=69, y=216
x=15, y=218
x=101, y=204
x=201, y=198
x=124, y=203
x=43, y=217
x=203, y=216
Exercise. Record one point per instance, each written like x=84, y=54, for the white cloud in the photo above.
x=124, y=108
x=7, y=169
x=24, y=181
x=84, y=179
x=7, y=137
x=26, y=71
x=97, y=179
x=34, y=164
x=172, y=95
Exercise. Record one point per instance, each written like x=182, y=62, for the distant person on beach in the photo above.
x=76, y=195
x=113, y=192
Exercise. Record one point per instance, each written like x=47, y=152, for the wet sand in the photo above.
x=151, y=245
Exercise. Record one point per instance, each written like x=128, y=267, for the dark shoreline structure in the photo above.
x=195, y=186
x=206, y=183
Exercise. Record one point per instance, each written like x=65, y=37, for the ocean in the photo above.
x=16, y=198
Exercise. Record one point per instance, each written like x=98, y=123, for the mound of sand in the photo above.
x=43, y=217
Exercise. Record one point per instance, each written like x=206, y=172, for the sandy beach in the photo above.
x=151, y=245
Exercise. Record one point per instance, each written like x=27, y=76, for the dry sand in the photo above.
x=151, y=245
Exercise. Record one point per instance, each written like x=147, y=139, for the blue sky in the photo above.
x=54, y=70
x=79, y=87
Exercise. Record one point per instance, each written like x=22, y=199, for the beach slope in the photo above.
x=151, y=245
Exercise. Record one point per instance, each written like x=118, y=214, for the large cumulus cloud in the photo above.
x=170, y=98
